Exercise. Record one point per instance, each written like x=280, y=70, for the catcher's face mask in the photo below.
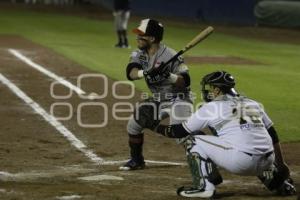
x=208, y=93
x=215, y=82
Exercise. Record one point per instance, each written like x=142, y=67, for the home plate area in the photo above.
x=47, y=151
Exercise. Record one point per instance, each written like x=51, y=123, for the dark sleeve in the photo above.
x=186, y=78
x=172, y=131
x=129, y=67
x=272, y=132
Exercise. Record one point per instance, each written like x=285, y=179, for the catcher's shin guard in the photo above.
x=202, y=187
x=211, y=172
x=194, y=162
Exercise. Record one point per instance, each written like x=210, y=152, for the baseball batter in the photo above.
x=244, y=142
x=169, y=85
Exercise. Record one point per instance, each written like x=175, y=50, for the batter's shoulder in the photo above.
x=170, y=51
x=136, y=53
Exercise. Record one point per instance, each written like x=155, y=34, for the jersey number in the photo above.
x=248, y=114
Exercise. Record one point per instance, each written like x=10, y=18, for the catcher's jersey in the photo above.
x=160, y=86
x=239, y=121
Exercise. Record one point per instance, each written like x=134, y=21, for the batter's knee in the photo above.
x=133, y=127
x=180, y=112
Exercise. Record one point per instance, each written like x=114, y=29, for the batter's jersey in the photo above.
x=239, y=121
x=159, y=85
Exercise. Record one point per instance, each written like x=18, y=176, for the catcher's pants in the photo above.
x=121, y=20
x=229, y=158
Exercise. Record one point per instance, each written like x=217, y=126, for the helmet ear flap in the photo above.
x=229, y=80
x=204, y=91
x=205, y=94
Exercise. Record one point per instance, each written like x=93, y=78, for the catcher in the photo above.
x=169, y=85
x=245, y=141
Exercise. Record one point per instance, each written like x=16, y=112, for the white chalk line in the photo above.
x=147, y=161
x=52, y=120
x=64, y=131
x=46, y=72
x=78, y=90
x=69, y=197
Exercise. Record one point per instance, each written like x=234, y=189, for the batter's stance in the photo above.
x=170, y=87
x=245, y=140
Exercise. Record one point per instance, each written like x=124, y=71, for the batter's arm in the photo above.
x=279, y=159
x=134, y=71
x=180, y=75
x=172, y=131
x=183, y=80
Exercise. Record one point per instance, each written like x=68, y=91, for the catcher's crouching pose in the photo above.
x=245, y=140
x=169, y=85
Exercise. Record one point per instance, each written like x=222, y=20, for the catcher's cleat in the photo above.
x=287, y=188
x=133, y=165
x=195, y=192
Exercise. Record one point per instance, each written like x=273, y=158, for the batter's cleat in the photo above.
x=195, y=192
x=133, y=165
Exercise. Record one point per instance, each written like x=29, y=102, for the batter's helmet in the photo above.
x=150, y=27
x=220, y=79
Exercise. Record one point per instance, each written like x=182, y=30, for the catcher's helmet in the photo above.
x=220, y=79
x=150, y=27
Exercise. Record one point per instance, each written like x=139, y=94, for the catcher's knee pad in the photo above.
x=133, y=127
x=194, y=161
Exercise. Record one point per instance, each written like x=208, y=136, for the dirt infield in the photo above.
x=37, y=162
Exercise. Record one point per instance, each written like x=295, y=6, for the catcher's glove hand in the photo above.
x=287, y=188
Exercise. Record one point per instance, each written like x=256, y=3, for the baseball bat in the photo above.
x=201, y=36
x=196, y=40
